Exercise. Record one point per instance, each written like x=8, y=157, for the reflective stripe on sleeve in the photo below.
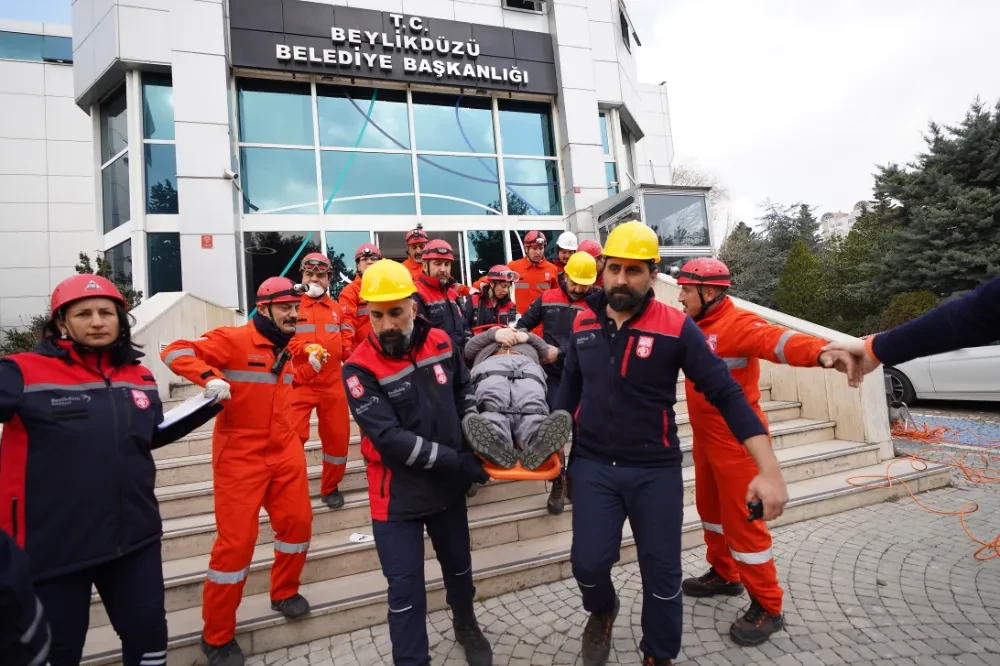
x=33, y=627
x=290, y=548
x=712, y=527
x=305, y=328
x=543, y=286
x=176, y=354
x=226, y=577
x=250, y=376
x=335, y=460
x=333, y=328
x=433, y=456
x=288, y=378
x=736, y=363
x=779, y=349
x=347, y=327
x=417, y=446
x=763, y=557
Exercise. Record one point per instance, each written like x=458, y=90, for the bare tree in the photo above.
x=719, y=215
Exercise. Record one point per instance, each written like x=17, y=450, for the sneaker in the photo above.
x=553, y=434
x=597, y=637
x=334, y=500
x=710, y=584
x=229, y=654
x=756, y=626
x=557, y=496
x=293, y=608
x=478, y=651
x=648, y=660
x=486, y=441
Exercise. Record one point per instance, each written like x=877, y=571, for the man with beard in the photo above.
x=408, y=388
x=535, y=274
x=626, y=458
x=416, y=240
x=436, y=298
x=355, y=326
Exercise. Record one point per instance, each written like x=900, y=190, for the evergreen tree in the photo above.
x=805, y=226
x=747, y=255
x=798, y=288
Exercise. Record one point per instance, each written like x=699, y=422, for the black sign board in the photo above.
x=308, y=37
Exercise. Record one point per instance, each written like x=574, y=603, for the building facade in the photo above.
x=229, y=138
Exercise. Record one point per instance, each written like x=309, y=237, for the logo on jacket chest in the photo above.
x=355, y=387
x=645, y=346
x=140, y=399
x=399, y=390
x=713, y=342
x=440, y=374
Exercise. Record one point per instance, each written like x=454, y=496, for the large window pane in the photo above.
x=343, y=122
x=161, y=178
x=463, y=185
x=532, y=187
x=114, y=184
x=268, y=252
x=114, y=125
x=275, y=112
x=164, y=251
x=278, y=180
x=666, y=263
x=677, y=219
x=120, y=258
x=340, y=248
x=611, y=176
x=379, y=177
x=486, y=250
x=157, y=107
x=517, y=245
x=526, y=128
x=57, y=49
x=454, y=124
x=20, y=46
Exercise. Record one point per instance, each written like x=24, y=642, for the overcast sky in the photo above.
x=798, y=100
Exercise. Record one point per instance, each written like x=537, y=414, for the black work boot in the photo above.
x=648, y=660
x=557, y=496
x=334, y=500
x=553, y=434
x=229, y=654
x=710, y=584
x=597, y=637
x=468, y=634
x=756, y=626
x=484, y=439
x=472, y=491
x=293, y=608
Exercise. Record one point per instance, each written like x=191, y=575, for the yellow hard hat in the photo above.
x=581, y=268
x=633, y=240
x=386, y=280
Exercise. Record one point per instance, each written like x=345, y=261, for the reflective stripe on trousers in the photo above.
x=712, y=527
x=154, y=658
x=335, y=460
x=762, y=557
x=290, y=548
x=227, y=578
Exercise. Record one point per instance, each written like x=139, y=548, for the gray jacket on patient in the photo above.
x=510, y=387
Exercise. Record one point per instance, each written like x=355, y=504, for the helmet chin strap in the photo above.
x=707, y=305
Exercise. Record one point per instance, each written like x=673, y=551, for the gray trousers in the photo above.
x=516, y=407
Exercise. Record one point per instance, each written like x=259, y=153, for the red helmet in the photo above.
x=277, y=290
x=82, y=286
x=316, y=261
x=501, y=273
x=437, y=249
x=534, y=238
x=367, y=251
x=704, y=271
x=591, y=247
x=415, y=236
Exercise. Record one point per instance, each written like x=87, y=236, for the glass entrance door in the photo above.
x=393, y=246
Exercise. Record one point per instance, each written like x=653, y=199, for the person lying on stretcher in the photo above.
x=513, y=424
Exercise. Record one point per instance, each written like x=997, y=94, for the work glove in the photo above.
x=470, y=468
x=317, y=356
x=315, y=291
x=217, y=390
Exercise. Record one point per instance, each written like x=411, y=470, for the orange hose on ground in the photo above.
x=935, y=436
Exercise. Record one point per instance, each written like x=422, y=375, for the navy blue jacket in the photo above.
x=409, y=410
x=440, y=308
x=625, y=408
x=24, y=632
x=970, y=321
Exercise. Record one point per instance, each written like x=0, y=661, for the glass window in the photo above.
x=114, y=125
x=114, y=186
x=345, y=120
x=666, y=263
x=164, y=255
x=157, y=107
x=340, y=248
x=120, y=258
x=611, y=176
x=605, y=140
x=486, y=249
x=677, y=219
x=275, y=112
x=57, y=49
x=367, y=183
x=453, y=124
x=161, y=174
x=526, y=128
x=534, y=185
x=629, y=159
x=269, y=252
x=462, y=185
x=278, y=180
x=20, y=46
x=624, y=25
x=516, y=245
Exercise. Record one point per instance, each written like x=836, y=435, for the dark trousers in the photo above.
x=400, y=546
x=653, y=501
x=131, y=588
x=551, y=389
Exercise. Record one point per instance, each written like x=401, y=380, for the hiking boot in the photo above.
x=468, y=634
x=293, y=608
x=597, y=637
x=229, y=654
x=334, y=500
x=756, y=626
x=472, y=491
x=486, y=441
x=648, y=660
x=557, y=496
x=710, y=584
x=553, y=434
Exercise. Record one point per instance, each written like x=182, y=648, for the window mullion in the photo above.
x=413, y=151
x=501, y=179
x=316, y=154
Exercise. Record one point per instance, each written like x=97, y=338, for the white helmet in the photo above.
x=567, y=241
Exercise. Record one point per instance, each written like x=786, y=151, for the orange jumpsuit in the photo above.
x=354, y=322
x=737, y=549
x=532, y=281
x=319, y=322
x=416, y=268
x=257, y=462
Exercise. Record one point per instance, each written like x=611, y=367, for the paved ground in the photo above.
x=890, y=585
x=972, y=423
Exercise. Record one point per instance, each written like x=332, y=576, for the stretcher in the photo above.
x=549, y=470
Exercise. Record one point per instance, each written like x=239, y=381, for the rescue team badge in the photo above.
x=140, y=399
x=439, y=373
x=713, y=342
x=645, y=347
x=355, y=387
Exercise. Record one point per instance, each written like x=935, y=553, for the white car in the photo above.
x=972, y=373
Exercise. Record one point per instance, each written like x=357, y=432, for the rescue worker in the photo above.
x=416, y=239
x=320, y=323
x=556, y=309
x=492, y=305
x=535, y=274
x=739, y=552
x=24, y=632
x=639, y=477
x=77, y=481
x=593, y=248
x=257, y=458
x=354, y=325
x=436, y=298
x=408, y=389
x=566, y=245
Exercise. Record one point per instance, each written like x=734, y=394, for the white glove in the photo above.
x=217, y=389
x=315, y=291
x=317, y=358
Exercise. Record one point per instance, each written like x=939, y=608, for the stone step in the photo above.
x=356, y=601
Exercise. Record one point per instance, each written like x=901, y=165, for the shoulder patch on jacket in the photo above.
x=443, y=345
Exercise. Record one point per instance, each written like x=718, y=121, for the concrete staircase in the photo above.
x=516, y=543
